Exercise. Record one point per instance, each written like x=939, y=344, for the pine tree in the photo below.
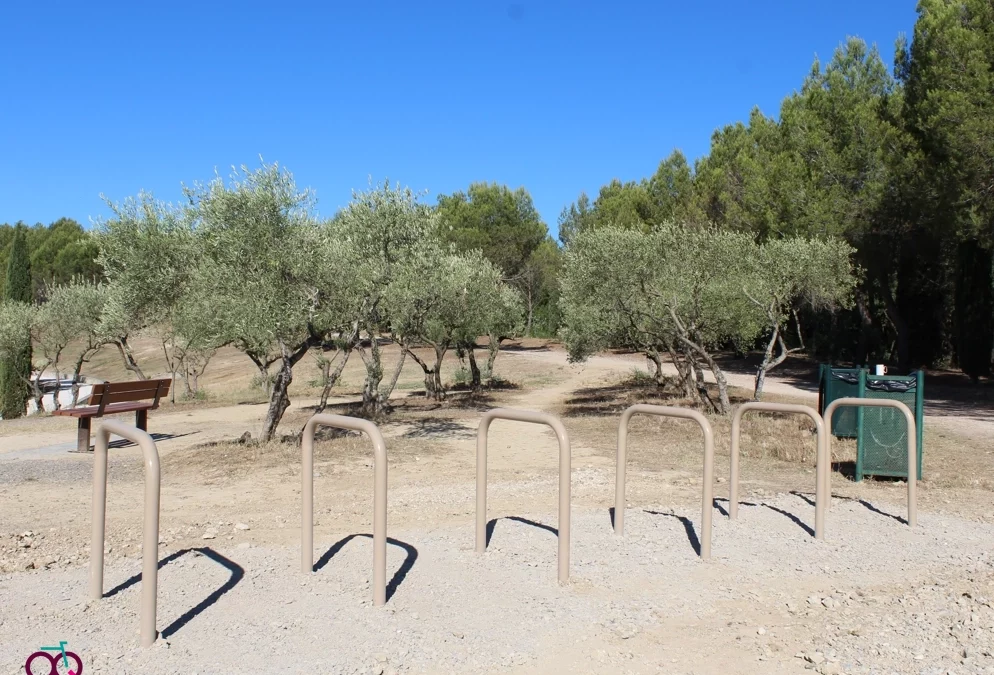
x=14, y=373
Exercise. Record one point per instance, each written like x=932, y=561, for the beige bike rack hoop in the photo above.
x=707, y=492
x=825, y=460
x=532, y=417
x=379, y=496
x=733, y=489
x=150, y=527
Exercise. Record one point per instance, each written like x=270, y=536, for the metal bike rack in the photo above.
x=733, y=490
x=707, y=497
x=825, y=460
x=150, y=528
x=379, y=496
x=564, y=477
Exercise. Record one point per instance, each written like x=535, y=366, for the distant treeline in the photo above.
x=59, y=252
x=897, y=162
x=900, y=163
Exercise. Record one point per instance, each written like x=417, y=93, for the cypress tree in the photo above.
x=14, y=373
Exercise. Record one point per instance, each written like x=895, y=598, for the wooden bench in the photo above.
x=116, y=397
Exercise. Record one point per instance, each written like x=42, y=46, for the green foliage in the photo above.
x=59, y=252
x=948, y=73
x=688, y=291
x=15, y=366
x=492, y=218
x=17, y=281
x=147, y=253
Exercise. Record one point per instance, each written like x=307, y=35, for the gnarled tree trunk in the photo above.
x=128, y=357
x=433, y=377
x=474, y=369
x=279, y=401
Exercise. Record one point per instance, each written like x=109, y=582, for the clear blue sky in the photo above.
x=559, y=97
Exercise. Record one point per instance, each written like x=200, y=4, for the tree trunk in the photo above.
x=433, y=378
x=75, y=378
x=128, y=357
x=279, y=401
x=332, y=378
x=58, y=388
x=531, y=306
x=656, y=360
x=371, y=403
x=262, y=364
x=387, y=391
x=900, y=327
x=171, y=362
x=36, y=392
x=190, y=380
x=719, y=376
x=474, y=369
x=765, y=365
x=493, y=349
x=685, y=373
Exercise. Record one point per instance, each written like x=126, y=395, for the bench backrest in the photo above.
x=121, y=392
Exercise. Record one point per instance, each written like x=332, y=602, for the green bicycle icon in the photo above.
x=53, y=660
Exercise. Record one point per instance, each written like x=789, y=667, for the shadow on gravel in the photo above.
x=861, y=502
x=542, y=526
x=687, y=525
x=124, y=443
x=398, y=576
x=800, y=523
x=722, y=510
x=430, y=427
x=236, y=575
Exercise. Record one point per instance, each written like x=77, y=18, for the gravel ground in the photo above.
x=877, y=597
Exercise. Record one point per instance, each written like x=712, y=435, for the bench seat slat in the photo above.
x=110, y=409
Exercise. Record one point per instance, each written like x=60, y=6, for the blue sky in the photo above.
x=559, y=97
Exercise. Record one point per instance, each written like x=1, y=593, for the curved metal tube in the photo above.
x=733, y=489
x=825, y=460
x=150, y=528
x=707, y=493
x=564, y=477
x=379, y=496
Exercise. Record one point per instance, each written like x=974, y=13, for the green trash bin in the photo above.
x=840, y=383
x=883, y=432
x=880, y=433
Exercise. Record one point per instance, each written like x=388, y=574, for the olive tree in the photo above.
x=147, y=253
x=378, y=232
x=257, y=269
x=675, y=290
x=502, y=320
x=442, y=300
x=786, y=274
x=69, y=324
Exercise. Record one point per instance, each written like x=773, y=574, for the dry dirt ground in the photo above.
x=875, y=597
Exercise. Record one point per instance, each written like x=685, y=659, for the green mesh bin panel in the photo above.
x=883, y=446
x=842, y=383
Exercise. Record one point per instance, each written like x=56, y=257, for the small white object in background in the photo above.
x=880, y=369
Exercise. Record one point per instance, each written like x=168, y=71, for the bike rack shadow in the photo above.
x=695, y=542
x=398, y=576
x=157, y=437
x=862, y=502
x=236, y=570
x=723, y=511
x=800, y=523
x=542, y=526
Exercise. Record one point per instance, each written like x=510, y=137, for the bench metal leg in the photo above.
x=83, y=435
x=141, y=419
